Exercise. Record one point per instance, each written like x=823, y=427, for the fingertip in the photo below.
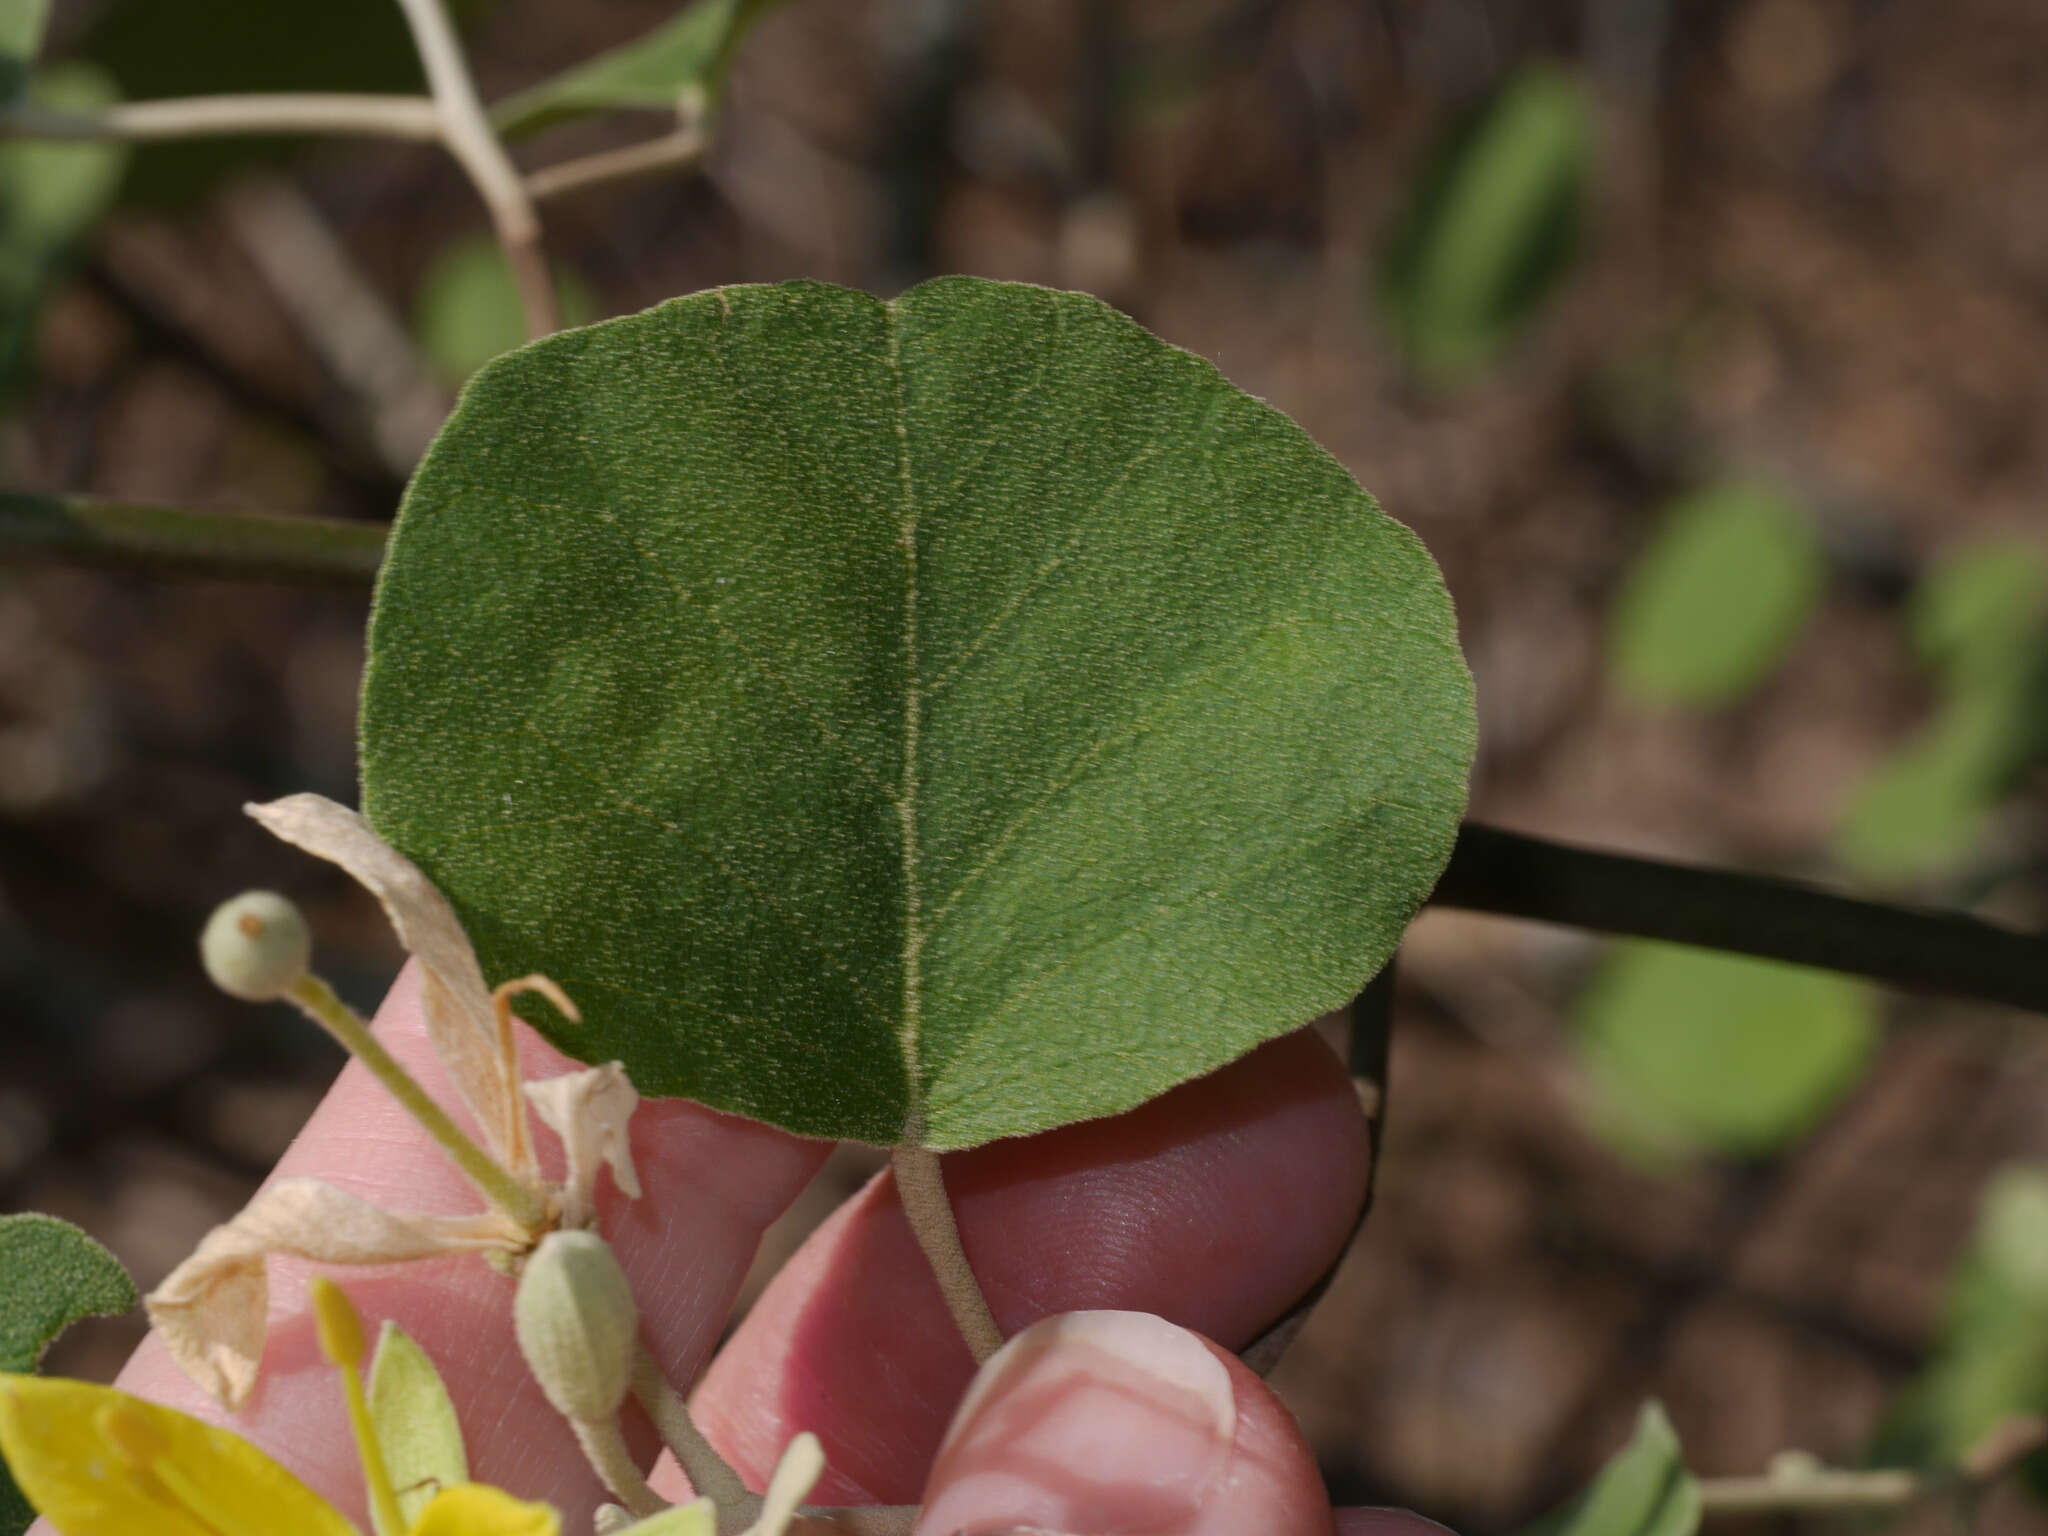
x=1093, y=1422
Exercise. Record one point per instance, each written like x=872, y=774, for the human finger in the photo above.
x=712, y=1185
x=1216, y=1206
x=1098, y=1422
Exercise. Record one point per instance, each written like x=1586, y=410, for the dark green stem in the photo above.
x=1490, y=870
x=81, y=530
x=1516, y=876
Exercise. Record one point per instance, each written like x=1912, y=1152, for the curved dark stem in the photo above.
x=1516, y=876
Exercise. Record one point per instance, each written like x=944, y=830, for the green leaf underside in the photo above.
x=1644, y=1490
x=935, y=721
x=653, y=72
x=51, y=1276
x=1688, y=1048
x=1717, y=598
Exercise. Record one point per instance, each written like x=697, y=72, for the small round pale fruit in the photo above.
x=577, y=1325
x=256, y=946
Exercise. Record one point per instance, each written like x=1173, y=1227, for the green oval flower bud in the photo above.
x=256, y=946
x=577, y=1324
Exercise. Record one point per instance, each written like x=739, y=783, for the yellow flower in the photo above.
x=97, y=1462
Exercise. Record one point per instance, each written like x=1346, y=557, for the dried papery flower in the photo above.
x=211, y=1310
x=589, y=1111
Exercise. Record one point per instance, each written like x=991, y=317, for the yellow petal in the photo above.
x=98, y=1462
x=461, y=1023
x=212, y=1309
x=477, y=1509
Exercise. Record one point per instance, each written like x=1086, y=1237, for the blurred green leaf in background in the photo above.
x=1644, y=1490
x=1718, y=597
x=1492, y=226
x=1688, y=1050
x=1977, y=621
x=467, y=310
x=1990, y=1362
x=22, y=23
x=686, y=55
x=50, y=194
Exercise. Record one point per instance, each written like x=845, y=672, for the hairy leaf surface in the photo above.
x=935, y=720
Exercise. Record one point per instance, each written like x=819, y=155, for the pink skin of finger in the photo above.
x=1214, y=1205
x=1120, y=1424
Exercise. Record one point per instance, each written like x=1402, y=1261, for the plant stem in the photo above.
x=317, y=1001
x=709, y=1473
x=416, y=119
x=856, y=1520
x=1825, y=1489
x=1504, y=872
x=341, y=313
x=470, y=138
x=605, y=1449
x=680, y=150
x=86, y=531
x=1796, y=1483
x=390, y=117
x=921, y=1185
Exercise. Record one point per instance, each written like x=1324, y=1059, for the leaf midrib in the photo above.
x=907, y=1027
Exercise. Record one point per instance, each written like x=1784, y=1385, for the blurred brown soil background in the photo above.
x=1819, y=253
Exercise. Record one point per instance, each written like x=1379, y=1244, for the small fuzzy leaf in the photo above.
x=1492, y=225
x=415, y=1421
x=934, y=720
x=1686, y=1048
x=468, y=309
x=688, y=53
x=1644, y=1490
x=1717, y=598
x=51, y=1275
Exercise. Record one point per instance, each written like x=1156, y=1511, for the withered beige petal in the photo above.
x=460, y=1020
x=212, y=1310
x=590, y=1110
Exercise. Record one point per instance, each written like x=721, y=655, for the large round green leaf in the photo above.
x=934, y=721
